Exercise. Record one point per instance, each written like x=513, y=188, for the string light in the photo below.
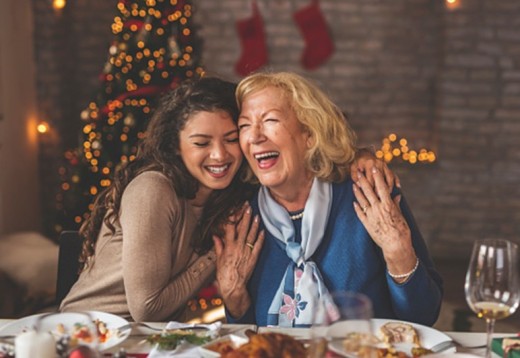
x=59, y=4
x=43, y=127
x=392, y=148
x=452, y=4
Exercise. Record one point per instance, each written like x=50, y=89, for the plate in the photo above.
x=234, y=340
x=68, y=319
x=427, y=336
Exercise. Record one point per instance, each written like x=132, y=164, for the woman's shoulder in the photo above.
x=151, y=176
x=150, y=184
x=343, y=187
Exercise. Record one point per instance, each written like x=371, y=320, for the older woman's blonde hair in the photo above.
x=333, y=148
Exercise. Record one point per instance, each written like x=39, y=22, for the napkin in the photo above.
x=497, y=347
x=185, y=349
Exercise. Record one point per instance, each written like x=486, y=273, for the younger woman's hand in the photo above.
x=365, y=161
x=237, y=253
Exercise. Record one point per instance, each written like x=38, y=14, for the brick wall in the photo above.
x=446, y=79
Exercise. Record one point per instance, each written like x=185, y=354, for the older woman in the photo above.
x=324, y=230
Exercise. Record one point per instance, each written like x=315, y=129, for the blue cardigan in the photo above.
x=350, y=260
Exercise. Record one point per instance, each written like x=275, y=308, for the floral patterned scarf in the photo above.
x=302, y=286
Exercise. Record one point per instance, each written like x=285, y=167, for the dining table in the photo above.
x=136, y=346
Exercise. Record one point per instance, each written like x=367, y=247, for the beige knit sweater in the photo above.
x=146, y=270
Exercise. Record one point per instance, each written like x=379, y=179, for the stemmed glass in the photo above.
x=336, y=318
x=492, y=282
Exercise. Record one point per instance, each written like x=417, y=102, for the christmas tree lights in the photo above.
x=154, y=49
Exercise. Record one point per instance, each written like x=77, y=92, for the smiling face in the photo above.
x=210, y=151
x=273, y=141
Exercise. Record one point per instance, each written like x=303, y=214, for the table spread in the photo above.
x=135, y=347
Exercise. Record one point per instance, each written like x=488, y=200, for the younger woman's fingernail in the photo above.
x=374, y=170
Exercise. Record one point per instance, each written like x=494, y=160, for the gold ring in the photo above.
x=365, y=208
x=251, y=246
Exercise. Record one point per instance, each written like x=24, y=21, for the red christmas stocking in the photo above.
x=318, y=43
x=252, y=39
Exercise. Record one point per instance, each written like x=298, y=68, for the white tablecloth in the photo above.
x=134, y=343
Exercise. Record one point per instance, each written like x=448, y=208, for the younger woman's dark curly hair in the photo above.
x=158, y=151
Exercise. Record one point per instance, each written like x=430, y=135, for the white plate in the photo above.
x=236, y=341
x=428, y=337
x=68, y=319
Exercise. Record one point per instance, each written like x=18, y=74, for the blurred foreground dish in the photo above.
x=267, y=345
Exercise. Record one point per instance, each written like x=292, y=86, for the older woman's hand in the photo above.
x=237, y=254
x=365, y=160
x=382, y=217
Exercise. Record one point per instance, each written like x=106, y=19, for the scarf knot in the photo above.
x=295, y=253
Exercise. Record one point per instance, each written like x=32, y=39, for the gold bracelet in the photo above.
x=405, y=275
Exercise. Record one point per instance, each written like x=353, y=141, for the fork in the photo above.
x=137, y=324
x=444, y=345
x=147, y=326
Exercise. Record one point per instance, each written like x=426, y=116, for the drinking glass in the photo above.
x=344, y=314
x=492, y=284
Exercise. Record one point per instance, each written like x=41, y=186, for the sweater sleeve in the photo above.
x=419, y=298
x=149, y=213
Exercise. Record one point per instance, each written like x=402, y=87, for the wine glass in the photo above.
x=342, y=316
x=492, y=282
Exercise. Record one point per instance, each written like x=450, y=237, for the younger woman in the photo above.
x=147, y=247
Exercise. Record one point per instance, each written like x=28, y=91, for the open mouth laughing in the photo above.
x=266, y=159
x=218, y=171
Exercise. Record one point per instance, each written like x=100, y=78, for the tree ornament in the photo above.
x=318, y=42
x=252, y=40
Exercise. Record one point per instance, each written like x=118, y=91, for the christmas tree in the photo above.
x=154, y=49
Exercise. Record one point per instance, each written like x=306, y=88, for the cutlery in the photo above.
x=442, y=346
x=141, y=324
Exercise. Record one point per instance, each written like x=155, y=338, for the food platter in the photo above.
x=428, y=337
x=210, y=350
x=49, y=322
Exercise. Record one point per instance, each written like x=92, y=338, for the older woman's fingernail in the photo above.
x=359, y=175
x=374, y=170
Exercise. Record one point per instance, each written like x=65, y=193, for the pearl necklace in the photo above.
x=297, y=216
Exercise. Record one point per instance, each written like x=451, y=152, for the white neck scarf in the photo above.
x=302, y=286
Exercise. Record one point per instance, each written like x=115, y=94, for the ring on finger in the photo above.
x=250, y=245
x=365, y=208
